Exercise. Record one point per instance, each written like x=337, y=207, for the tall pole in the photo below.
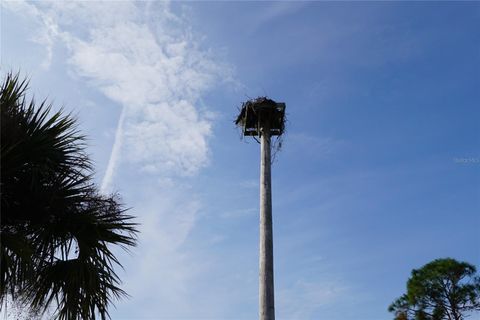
x=264, y=117
x=266, y=298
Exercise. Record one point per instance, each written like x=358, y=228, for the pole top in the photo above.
x=256, y=113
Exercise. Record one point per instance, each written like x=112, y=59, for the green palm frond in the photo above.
x=56, y=229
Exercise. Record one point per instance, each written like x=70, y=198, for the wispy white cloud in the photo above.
x=147, y=59
x=158, y=78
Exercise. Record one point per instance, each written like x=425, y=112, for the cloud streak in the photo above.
x=114, y=155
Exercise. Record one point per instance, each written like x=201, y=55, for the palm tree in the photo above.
x=56, y=228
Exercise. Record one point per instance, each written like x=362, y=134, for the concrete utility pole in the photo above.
x=264, y=118
x=266, y=292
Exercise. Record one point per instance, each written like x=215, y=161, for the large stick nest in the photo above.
x=256, y=114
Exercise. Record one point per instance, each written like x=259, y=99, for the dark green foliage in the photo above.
x=442, y=289
x=56, y=227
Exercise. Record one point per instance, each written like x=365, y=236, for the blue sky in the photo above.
x=379, y=172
